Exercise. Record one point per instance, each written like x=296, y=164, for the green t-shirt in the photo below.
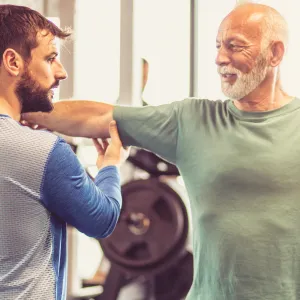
x=242, y=173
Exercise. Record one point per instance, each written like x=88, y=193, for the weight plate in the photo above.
x=175, y=283
x=151, y=163
x=151, y=227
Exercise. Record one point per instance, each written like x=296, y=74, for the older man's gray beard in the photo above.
x=245, y=83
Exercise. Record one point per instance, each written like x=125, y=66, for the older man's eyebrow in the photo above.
x=234, y=39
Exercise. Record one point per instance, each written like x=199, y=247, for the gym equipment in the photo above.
x=151, y=163
x=151, y=231
x=149, y=241
x=175, y=282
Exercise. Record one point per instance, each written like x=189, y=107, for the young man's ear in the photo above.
x=12, y=62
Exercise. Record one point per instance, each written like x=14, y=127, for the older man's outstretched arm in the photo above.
x=75, y=118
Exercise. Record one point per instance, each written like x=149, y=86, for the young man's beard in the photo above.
x=32, y=96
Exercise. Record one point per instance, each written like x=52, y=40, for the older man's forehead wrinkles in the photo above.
x=229, y=33
x=240, y=33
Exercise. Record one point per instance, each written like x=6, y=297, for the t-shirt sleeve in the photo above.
x=151, y=127
x=68, y=192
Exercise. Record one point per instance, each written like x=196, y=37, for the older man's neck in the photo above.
x=264, y=100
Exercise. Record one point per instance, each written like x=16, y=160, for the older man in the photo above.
x=239, y=160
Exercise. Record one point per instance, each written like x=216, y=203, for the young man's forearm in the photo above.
x=75, y=118
x=91, y=207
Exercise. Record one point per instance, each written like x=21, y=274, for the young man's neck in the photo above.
x=12, y=109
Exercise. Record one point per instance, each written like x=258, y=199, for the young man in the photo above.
x=239, y=160
x=42, y=184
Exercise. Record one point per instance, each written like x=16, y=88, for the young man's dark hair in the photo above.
x=19, y=26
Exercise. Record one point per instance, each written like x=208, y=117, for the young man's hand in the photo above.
x=113, y=153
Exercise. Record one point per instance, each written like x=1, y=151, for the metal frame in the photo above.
x=130, y=65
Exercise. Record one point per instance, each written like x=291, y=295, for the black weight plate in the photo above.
x=153, y=222
x=152, y=163
x=175, y=283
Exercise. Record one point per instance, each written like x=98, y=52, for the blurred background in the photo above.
x=142, y=51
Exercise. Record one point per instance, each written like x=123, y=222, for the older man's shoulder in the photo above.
x=203, y=101
x=196, y=104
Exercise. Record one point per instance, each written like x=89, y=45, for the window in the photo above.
x=97, y=50
x=162, y=37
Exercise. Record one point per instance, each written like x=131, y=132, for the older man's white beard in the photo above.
x=245, y=83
